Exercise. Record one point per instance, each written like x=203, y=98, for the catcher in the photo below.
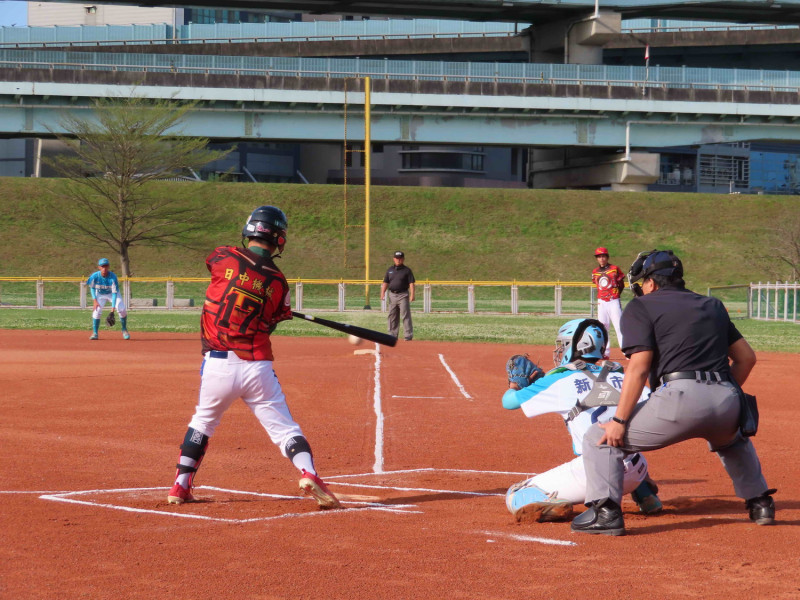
x=583, y=389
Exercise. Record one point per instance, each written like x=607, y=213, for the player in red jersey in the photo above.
x=610, y=281
x=246, y=299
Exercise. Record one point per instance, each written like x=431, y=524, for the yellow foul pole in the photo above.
x=367, y=182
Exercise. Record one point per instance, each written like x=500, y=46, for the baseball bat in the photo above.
x=362, y=332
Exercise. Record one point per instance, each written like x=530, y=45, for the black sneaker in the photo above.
x=762, y=508
x=604, y=518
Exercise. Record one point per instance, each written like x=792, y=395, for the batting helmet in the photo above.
x=267, y=223
x=580, y=338
x=601, y=251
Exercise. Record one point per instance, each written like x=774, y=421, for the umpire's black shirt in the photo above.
x=399, y=277
x=685, y=331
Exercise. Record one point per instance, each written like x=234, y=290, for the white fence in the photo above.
x=503, y=297
x=778, y=301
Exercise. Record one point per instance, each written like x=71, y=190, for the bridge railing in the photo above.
x=173, y=293
x=432, y=75
x=532, y=73
x=259, y=39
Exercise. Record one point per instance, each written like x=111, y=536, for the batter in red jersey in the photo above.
x=610, y=282
x=246, y=299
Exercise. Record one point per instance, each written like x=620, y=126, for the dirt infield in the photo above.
x=417, y=439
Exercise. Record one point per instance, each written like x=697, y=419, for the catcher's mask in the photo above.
x=267, y=223
x=580, y=338
x=653, y=262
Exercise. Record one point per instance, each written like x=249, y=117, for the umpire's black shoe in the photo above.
x=762, y=508
x=604, y=518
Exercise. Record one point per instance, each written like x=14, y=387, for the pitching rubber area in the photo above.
x=413, y=439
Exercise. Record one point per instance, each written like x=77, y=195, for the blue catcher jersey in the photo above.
x=558, y=392
x=107, y=286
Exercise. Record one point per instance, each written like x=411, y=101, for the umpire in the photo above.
x=682, y=341
x=399, y=280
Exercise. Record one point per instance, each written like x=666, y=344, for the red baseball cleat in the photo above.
x=179, y=495
x=313, y=485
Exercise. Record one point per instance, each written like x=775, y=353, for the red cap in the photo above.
x=600, y=251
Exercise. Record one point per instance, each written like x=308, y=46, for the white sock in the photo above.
x=184, y=479
x=304, y=462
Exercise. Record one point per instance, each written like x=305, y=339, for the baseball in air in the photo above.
x=354, y=339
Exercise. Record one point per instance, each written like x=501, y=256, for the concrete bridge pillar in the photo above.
x=584, y=168
x=575, y=41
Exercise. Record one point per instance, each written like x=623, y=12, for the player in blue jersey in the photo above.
x=104, y=286
x=583, y=389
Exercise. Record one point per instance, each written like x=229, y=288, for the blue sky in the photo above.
x=13, y=13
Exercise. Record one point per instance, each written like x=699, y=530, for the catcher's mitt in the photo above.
x=111, y=320
x=522, y=370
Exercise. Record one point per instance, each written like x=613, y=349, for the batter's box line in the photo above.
x=67, y=497
x=334, y=480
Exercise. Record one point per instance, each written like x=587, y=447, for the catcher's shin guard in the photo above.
x=529, y=503
x=646, y=498
x=192, y=451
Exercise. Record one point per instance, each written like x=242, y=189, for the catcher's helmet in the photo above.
x=267, y=223
x=580, y=338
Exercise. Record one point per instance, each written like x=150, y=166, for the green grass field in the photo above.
x=452, y=234
x=505, y=329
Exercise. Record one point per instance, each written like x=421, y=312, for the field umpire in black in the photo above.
x=399, y=281
x=682, y=341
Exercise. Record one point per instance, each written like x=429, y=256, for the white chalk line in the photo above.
x=454, y=378
x=415, y=489
x=376, y=399
x=425, y=397
x=426, y=469
x=527, y=538
x=66, y=497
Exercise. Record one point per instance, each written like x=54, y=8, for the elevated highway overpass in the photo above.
x=523, y=11
x=414, y=102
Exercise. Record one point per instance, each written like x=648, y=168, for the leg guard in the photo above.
x=645, y=497
x=528, y=502
x=298, y=450
x=193, y=448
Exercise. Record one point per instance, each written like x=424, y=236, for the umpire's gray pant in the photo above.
x=399, y=306
x=677, y=411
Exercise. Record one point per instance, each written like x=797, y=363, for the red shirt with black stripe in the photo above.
x=247, y=297
x=610, y=282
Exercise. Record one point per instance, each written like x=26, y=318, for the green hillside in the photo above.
x=447, y=233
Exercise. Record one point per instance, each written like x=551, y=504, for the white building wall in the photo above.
x=46, y=14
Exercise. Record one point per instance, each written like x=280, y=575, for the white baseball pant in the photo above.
x=223, y=380
x=102, y=299
x=569, y=480
x=608, y=312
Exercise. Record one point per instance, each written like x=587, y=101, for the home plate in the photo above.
x=364, y=351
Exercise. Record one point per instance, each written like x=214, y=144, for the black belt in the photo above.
x=699, y=376
x=398, y=291
x=218, y=354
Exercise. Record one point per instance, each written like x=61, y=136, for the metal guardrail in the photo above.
x=705, y=28
x=297, y=73
x=256, y=39
x=522, y=297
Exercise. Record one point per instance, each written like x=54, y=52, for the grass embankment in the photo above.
x=447, y=233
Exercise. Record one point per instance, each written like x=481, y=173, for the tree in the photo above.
x=787, y=246
x=132, y=142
